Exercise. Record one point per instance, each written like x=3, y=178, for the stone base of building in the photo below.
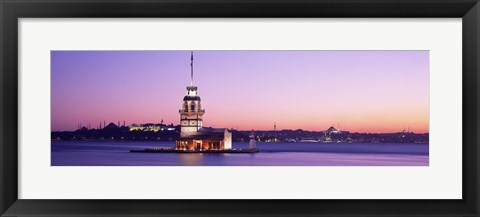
x=205, y=139
x=200, y=144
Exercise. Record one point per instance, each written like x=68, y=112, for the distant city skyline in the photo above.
x=362, y=91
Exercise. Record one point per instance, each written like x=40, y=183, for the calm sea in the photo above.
x=116, y=153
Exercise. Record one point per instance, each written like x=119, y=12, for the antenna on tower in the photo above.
x=191, y=69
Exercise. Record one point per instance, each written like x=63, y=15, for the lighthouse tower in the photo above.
x=252, y=144
x=191, y=112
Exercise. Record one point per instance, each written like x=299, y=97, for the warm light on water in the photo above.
x=116, y=153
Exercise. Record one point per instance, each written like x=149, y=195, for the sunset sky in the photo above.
x=362, y=91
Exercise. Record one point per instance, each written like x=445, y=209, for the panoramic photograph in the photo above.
x=240, y=108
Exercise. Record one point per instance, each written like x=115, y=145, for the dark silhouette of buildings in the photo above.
x=162, y=132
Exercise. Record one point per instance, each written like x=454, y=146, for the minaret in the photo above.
x=191, y=112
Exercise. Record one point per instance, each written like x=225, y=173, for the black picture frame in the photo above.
x=12, y=10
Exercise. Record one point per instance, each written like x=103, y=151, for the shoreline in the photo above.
x=152, y=141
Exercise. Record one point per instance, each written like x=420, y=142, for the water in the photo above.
x=116, y=153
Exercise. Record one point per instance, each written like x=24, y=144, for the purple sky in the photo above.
x=362, y=91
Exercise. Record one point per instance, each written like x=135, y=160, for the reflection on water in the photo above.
x=115, y=153
x=190, y=159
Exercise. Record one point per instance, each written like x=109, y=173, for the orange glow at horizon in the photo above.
x=361, y=91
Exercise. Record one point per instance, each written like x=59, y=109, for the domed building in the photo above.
x=192, y=134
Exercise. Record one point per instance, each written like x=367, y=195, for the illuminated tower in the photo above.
x=252, y=144
x=191, y=112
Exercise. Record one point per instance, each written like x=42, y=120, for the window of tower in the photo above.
x=192, y=107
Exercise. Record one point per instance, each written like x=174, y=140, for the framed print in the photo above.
x=228, y=108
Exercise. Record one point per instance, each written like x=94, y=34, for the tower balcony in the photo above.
x=193, y=112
